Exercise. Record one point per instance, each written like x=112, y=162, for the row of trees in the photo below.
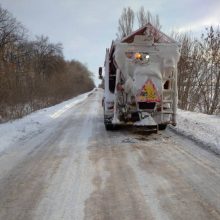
x=199, y=72
x=199, y=65
x=34, y=74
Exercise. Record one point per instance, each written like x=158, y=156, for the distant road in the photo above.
x=74, y=169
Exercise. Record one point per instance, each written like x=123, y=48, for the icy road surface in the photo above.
x=73, y=169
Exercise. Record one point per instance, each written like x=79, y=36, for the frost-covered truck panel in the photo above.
x=140, y=81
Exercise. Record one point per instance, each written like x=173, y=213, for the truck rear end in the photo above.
x=140, y=82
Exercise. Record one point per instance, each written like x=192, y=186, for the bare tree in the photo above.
x=142, y=17
x=210, y=48
x=11, y=31
x=185, y=66
x=146, y=17
x=199, y=72
x=127, y=19
x=125, y=23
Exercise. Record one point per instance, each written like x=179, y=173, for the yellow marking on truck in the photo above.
x=148, y=93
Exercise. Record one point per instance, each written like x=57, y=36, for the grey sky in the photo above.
x=87, y=27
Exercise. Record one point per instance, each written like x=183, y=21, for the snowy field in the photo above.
x=204, y=129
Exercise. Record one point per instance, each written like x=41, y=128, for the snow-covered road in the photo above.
x=64, y=165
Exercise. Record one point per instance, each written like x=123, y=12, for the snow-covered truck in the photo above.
x=140, y=80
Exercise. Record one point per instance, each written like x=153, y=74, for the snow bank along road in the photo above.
x=71, y=168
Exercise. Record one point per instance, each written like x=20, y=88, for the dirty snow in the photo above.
x=202, y=128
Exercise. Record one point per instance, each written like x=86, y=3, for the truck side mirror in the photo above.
x=100, y=73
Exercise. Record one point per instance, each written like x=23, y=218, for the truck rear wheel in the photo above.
x=162, y=126
x=109, y=127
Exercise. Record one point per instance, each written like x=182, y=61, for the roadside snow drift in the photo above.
x=202, y=128
x=31, y=124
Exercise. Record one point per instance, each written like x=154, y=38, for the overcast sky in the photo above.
x=87, y=27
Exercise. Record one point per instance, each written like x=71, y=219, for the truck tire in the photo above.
x=162, y=126
x=109, y=127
